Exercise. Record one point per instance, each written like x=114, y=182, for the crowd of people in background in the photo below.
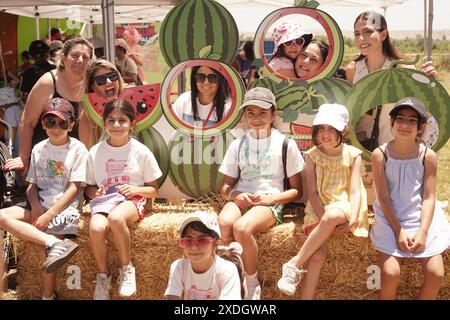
x=59, y=151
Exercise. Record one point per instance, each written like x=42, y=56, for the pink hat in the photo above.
x=287, y=31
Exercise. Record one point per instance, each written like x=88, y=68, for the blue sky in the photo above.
x=408, y=16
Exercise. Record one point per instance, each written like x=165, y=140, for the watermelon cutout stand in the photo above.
x=236, y=86
x=333, y=32
x=195, y=162
x=391, y=85
x=155, y=142
x=144, y=99
x=195, y=24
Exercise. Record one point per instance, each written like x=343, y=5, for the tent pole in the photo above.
x=425, y=30
x=430, y=31
x=36, y=15
x=108, y=29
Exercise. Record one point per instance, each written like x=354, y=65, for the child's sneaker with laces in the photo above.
x=58, y=254
x=290, y=279
x=102, y=286
x=127, y=281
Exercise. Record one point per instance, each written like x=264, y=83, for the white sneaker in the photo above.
x=102, y=286
x=127, y=281
x=253, y=291
x=290, y=279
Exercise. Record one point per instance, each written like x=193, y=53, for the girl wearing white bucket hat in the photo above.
x=289, y=38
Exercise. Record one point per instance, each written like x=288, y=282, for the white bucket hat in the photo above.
x=287, y=31
x=335, y=115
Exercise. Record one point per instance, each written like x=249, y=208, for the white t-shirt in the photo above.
x=183, y=109
x=132, y=163
x=52, y=168
x=260, y=163
x=220, y=282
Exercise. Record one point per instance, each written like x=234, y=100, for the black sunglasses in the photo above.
x=299, y=42
x=113, y=76
x=51, y=122
x=212, y=77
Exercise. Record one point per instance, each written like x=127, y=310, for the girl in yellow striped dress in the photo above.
x=337, y=200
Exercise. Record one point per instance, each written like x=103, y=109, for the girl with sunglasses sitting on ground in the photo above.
x=207, y=271
x=289, y=39
x=207, y=103
x=103, y=78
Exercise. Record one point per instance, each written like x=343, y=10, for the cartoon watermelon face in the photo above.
x=144, y=99
x=195, y=162
x=229, y=120
x=333, y=32
x=391, y=85
x=195, y=24
x=155, y=142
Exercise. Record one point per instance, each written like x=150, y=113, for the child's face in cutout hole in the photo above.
x=199, y=252
x=327, y=136
x=118, y=125
x=406, y=124
x=291, y=51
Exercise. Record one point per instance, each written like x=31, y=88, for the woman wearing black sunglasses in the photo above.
x=103, y=78
x=207, y=103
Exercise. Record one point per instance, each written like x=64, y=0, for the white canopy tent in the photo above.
x=108, y=12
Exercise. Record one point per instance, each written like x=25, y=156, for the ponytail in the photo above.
x=232, y=253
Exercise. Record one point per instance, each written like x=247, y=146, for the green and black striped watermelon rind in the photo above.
x=197, y=179
x=151, y=138
x=391, y=85
x=195, y=24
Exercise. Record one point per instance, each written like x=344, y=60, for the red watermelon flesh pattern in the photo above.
x=144, y=99
x=302, y=135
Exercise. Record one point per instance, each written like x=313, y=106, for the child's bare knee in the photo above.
x=240, y=231
x=332, y=216
x=391, y=273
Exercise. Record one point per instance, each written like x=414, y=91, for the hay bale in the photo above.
x=154, y=248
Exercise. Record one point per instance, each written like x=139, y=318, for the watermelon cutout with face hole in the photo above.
x=144, y=99
x=237, y=89
x=332, y=30
x=391, y=85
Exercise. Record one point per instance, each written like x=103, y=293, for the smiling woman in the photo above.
x=103, y=78
x=207, y=103
x=66, y=82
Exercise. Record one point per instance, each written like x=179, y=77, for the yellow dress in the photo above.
x=333, y=186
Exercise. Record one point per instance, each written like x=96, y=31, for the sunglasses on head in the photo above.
x=51, y=122
x=212, y=77
x=299, y=42
x=113, y=76
x=200, y=242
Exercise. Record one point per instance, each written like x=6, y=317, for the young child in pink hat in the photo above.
x=289, y=39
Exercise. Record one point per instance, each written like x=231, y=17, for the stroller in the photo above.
x=7, y=195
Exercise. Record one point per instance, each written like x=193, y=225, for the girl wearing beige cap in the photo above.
x=257, y=168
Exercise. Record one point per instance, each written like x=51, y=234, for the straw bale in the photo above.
x=154, y=247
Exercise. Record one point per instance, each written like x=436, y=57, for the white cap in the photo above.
x=208, y=220
x=335, y=115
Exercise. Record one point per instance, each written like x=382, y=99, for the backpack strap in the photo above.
x=284, y=160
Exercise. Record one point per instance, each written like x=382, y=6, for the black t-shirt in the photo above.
x=32, y=74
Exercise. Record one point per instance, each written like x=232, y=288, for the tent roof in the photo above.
x=137, y=10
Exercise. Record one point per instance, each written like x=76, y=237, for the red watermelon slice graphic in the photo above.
x=302, y=135
x=144, y=99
